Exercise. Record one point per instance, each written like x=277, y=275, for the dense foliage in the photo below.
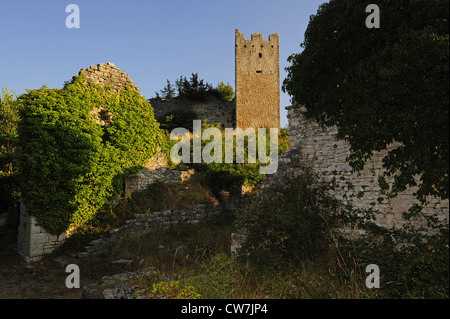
x=300, y=223
x=380, y=85
x=413, y=263
x=181, y=118
x=231, y=176
x=70, y=166
x=9, y=116
x=291, y=224
x=226, y=91
x=194, y=89
x=174, y=290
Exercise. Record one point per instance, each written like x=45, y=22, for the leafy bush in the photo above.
x=413, y=260
x=291, y=224
x=174, y=290
x=229, y=176
x=226, y=91
x=174, y=119
x=70, y=165
x=300, y=222
x=9, y=117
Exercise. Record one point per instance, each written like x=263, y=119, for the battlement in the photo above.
x=257, y=37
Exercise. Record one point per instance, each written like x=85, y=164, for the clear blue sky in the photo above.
x=150, y=40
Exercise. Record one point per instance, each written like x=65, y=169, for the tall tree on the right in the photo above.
x=380, y=85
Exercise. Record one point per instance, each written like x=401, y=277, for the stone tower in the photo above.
x=257, y=81
x=108, y=74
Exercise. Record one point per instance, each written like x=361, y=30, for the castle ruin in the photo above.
x=257, y=88
x=256, y=105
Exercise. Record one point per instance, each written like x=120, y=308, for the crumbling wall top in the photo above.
x=108, y=74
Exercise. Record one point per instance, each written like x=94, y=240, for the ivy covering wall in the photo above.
x=72, y=160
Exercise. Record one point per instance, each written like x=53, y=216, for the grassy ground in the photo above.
x=198, y=256
x=195, y=256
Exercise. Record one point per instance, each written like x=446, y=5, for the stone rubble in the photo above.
x=108, y=74
x=120, y=286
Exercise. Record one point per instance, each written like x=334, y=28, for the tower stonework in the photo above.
x=257, y=81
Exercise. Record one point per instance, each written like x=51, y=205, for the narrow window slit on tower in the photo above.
x=258, y=71
x=260, y=55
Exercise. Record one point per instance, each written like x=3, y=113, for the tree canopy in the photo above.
x=194, y=88
x=381, y=85
x=9, y=116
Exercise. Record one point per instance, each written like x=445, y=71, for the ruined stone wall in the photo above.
x=213, y=109
x=32, y=240
x=107, y=74
x=319, y=149
x=156, y=169
x=257, y=81
x=146, y=177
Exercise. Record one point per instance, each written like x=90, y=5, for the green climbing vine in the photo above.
x=70, y=164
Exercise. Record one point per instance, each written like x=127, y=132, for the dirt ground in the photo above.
x=44, y=279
